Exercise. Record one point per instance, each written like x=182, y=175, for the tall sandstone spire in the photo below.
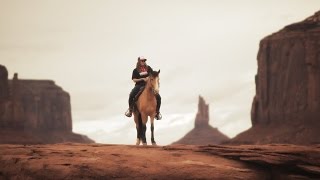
x=286, y=107
x=202, y=117
x=202, y=133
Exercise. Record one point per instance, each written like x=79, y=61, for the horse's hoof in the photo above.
x=154, y=144
x=138, y=142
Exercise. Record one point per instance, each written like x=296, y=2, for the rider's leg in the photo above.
x=132, y=95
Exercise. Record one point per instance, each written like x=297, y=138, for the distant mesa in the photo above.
x=286, y=107
x=202, y=133
x=35, y=111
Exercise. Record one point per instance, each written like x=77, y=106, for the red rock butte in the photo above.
x=286, y=107
x=35, y=111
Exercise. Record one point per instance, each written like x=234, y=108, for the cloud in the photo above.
x=121, y=130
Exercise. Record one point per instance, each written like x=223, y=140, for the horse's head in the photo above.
x=154, y=81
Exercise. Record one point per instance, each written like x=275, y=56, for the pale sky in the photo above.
x=90, y=47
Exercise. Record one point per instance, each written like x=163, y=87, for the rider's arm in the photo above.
x=137, y=80
x=136, y=77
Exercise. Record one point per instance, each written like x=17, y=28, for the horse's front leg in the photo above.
x=138, y=127
x=144, y=129
x=152, y=134
x=138, y=136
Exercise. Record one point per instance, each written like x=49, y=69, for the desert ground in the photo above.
x=107, y=161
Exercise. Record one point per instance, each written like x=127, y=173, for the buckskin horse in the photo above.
x=146, y=107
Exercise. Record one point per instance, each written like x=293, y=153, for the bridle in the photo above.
x=152, y=87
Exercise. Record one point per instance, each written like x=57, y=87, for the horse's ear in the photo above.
x=159, y=71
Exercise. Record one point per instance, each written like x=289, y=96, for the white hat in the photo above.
x=141, y=58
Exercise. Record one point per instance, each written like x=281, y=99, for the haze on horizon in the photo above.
x=90, y=48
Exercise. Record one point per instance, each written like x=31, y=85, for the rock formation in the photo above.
x=35, y=109
x=286, y=107
x=4, y=89
x=202, y=133
x=202, y=117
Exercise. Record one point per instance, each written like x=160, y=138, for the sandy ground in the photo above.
x=100, y=161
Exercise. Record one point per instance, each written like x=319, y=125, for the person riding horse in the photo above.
x=140, y=75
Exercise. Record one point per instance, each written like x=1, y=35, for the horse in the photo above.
x=146, y=107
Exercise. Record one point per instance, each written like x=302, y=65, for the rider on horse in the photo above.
x=140, y=75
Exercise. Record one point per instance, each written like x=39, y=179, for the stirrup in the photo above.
x=128, y=113
x=158, y=116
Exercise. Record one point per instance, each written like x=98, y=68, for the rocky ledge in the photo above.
x=101, y=161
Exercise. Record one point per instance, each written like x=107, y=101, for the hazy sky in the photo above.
x=90, y=47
